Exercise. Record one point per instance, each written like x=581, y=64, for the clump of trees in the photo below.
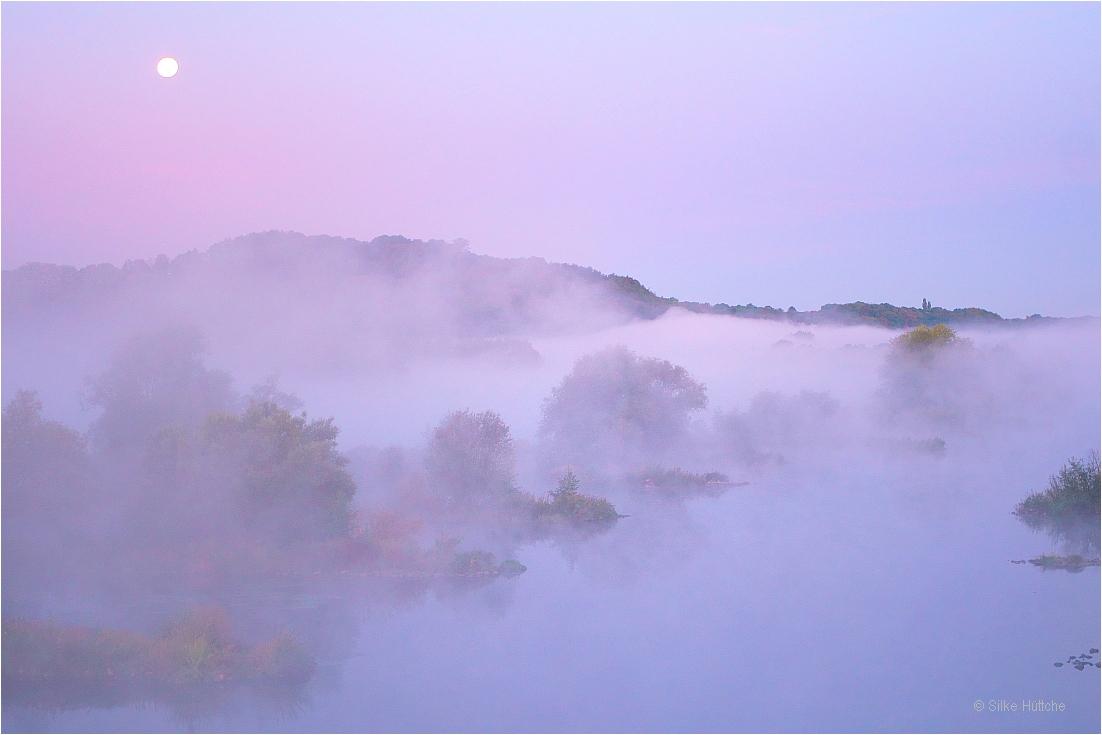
x=566, y=503
x=933, y=374
x=924, y=341
x=1068, y=509
x=49, y=498
x=616, y=407
x=471, y=462
x=288, y=473
x=180, y=487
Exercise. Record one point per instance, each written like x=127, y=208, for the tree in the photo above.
x=471, y=457
x=47, y=497
x=933, y=374
x=567, y=504
x=289, y=481
x=45, y=466
x=615, y=406
x=155, y=380
x=924, y=341
x=568, y=485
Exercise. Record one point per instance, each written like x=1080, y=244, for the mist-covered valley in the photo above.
x=315, y=484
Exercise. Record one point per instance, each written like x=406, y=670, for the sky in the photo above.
x=781, y=154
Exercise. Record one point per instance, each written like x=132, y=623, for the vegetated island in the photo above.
x=206, y=494
x=1068, y=511
x=677, y=482
x=192, y=666
x=1073, y=563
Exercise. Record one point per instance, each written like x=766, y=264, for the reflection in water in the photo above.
x=1071, y=563
x=847, y=587
x=1068, y=509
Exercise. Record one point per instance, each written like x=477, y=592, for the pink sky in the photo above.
x=786, y=154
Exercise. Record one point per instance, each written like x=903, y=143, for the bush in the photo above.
x=1072, y=496
x=931, y=374
x=567, y=504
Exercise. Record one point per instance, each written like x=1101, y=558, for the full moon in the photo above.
x=167, y=67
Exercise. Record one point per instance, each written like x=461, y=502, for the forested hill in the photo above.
x=884, y=315
x=477, y=295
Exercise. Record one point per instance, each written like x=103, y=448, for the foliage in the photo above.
x=155, y=380
x=568, y=485
x=1069, y=507
x=859, y=312
x=932, y=374
x=897, y=317
x=471, y=457
x=474, y=563
x=268, y=391
x=567, y=504
x=636, y=298
x=675, y=478
x=615, y=404
x=43, y=461
x=47, y=494
x=289, y=474
x=923, y=340
x=188, y=666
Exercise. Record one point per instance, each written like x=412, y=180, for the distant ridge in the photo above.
x=38, y=286
x=649, y=305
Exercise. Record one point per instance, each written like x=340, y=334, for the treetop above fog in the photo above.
x=923, y=339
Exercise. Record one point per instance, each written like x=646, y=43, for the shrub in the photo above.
x=1072, y=495
x=567, y=504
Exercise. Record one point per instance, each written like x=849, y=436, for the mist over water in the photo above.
x=849, y=572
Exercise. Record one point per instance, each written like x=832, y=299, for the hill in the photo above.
x=343, y=305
